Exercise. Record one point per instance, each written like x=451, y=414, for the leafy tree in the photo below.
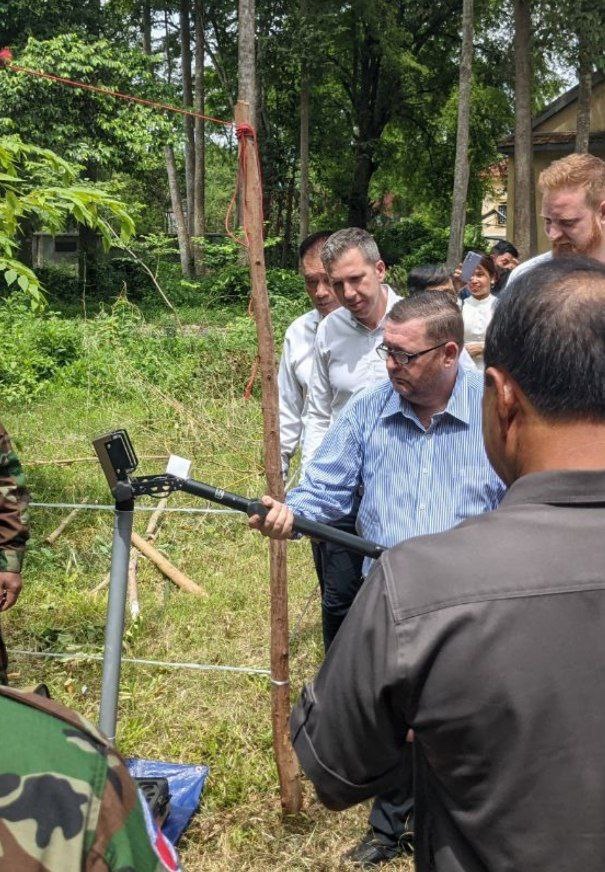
x=102, y=133
x=44, y=191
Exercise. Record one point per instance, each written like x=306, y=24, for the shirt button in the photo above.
x=425, y=471
x=422, y=508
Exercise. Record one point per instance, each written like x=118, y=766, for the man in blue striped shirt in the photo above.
x=414, y=445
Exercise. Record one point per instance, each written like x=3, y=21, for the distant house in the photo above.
x=554, y=133
x=60, y=249
x=495, y=205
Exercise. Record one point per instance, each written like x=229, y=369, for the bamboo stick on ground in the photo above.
x=52, y=537
x=88, y=459
x=101, y=585
x=133, y=591
x=166, y=567
x=154, y=522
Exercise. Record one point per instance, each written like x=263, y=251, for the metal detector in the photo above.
x=118, y=460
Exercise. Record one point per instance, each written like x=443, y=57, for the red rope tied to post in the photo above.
x=245, y=133
x=6, y=61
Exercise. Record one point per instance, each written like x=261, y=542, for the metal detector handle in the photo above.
x=301, y=525
x=324, y=532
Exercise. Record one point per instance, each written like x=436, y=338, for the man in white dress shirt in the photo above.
x=297, y=355
x=344, y=362
x=345, y=359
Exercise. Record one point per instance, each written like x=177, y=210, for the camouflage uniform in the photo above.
x=13, y=507
x=13, y=519
x=67, y=801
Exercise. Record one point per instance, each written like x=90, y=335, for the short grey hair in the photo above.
x=344, y=240
x=442, y=317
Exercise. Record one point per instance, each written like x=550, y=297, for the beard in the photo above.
x=565, y=248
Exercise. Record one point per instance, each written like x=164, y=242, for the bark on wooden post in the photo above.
x=287, y=766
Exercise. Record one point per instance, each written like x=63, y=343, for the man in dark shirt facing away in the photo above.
x=488, y=641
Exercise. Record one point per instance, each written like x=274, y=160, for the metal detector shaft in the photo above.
x=301, y=525
x=114, y=626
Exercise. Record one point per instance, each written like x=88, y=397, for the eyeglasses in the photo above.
x=402, y=357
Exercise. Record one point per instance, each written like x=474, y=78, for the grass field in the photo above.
x=220, y=719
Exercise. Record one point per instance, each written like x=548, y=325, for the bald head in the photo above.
x=549, y=335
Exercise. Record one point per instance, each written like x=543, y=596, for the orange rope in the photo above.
x=6, y=61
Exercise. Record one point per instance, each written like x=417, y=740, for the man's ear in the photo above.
x=507, y=395
x=451, y=353
x=381, y=269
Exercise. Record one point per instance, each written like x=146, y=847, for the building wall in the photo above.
x=562, y=122
x=565, y=120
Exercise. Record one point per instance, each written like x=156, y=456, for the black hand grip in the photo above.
x=324, y=532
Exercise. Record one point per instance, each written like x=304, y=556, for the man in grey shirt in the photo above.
x=488, y=641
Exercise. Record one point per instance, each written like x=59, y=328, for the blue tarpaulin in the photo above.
x=185, y=782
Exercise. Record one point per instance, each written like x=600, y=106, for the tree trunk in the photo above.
x=185, y=25
x=523, y=130
x=146, y=26
x=359, y=203
x=303, y=204
x=371, y=94
x=287, y=766
x=199, y=187
x=287, y=240
x=167, y=48
x=246, y=66
x=584, y=97
x=177, y=210
x=461, y=167
x=246, y=79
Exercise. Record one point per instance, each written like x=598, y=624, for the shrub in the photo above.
x=118, y=351
x=34, y=348
x=414, y=241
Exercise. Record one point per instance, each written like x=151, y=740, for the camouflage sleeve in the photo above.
x=66, y=798
x=14, y=530
x=125, y=837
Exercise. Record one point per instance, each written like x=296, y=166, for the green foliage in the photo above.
x=102, y=133
x=118, y=347
x=34, y=349
x=42, y=189
x=414, y=241
x=411, y=237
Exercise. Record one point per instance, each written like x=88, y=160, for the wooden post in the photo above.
x=287, y=766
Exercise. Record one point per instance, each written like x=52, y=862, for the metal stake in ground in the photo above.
x=250, y=184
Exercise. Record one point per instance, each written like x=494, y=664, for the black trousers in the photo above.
x=339, y=574
x=390, y=811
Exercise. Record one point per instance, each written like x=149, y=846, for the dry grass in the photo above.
x=222, y=720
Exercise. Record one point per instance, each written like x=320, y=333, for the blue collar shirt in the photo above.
x=414, y=480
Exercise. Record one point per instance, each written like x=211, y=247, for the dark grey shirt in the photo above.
x=488, y=641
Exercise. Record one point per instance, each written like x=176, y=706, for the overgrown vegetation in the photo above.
x=64, y=379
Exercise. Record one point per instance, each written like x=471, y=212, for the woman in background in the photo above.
x=478, y=309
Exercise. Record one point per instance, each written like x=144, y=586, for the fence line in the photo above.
x=111, y=508
x=164, y=664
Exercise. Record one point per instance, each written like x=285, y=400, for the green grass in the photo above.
x=222, y=720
